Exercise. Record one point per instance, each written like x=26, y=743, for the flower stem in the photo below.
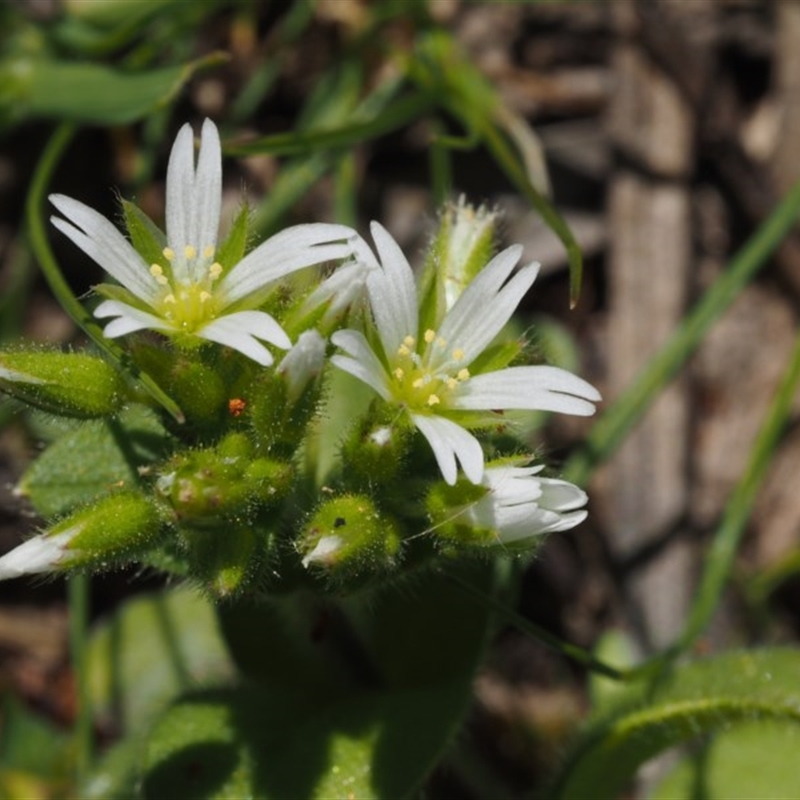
x=48, y=162
x=78, y=592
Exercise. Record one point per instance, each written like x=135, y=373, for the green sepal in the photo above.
x=445, y=505
x=497, y=356
x=69, y=384
x=232, y=250
x=147, y=239
x=113, y=529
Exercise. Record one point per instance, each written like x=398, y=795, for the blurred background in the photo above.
x=666, y=132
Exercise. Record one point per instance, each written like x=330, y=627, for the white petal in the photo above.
x=477, y=317
x=533, y=388
x=180, y=185
x=207, y=190
x=448, y=442
x=39, y=554
x=561, y=495
x=103, y=243
x=364, y=364
x=241, y=330
x=392, y=292
x=303, y=362
x=290, y=250
x=130, y=319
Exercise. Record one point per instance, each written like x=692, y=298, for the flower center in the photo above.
x=187, y=299
x=425, y=381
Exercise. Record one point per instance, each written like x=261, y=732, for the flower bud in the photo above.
x=198, y=389
x=69, y=384
x=115, y=528
x=223, y=560
x=205, y=486
x=348, y=537
x=463, y=245
x=374, y=451
x=510, y=508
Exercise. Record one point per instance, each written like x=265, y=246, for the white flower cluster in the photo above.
x=430, y=362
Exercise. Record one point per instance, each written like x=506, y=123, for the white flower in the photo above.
x=427, y=372
x=186, y=293
x=519, y=505
x=41, y=553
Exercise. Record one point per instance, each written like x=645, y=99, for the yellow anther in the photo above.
x=156, y=270
x=170, y=298
x=451, y=383
x=215, y=270
x=204, y=296
x=403, y=351
x=463, y=374
x=458, y=354
x=418, y=383
x=168, y=253
x=409, y=341
x=208, y=251
x=399, y=374
x=430, y=335
x=434, y=400
x=190, y=252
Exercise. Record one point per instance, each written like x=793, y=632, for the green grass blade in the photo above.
x=612, y=427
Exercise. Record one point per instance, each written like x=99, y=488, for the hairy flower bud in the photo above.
x=461, y=248
x=112, y=529
x=347, y=537
x=69, y=384
x=205, y=486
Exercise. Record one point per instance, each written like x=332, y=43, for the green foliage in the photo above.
x=83, y=464
x=709, y=695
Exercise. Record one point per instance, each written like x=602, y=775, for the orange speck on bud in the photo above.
x=236, y=406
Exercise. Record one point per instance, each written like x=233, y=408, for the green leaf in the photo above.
x=267, y=744
x=29, y=743
x=694, y=700
x=754, y=759
x=88, y=92
x=91, y=459
x=151, y=650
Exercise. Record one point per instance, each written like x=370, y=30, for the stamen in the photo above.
x=204, y=297
x=190, y=252
x=168, y=253
x=409, y=341
x=458, y=354
x=418, y=383
x=158, y=273
x=399, y=374
x=215, y=270
x=463, y=374
x=208, y=251
x=403, y=350
x=170, y=298
x=451, y=383
x=434, y=400
x=430, y=335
